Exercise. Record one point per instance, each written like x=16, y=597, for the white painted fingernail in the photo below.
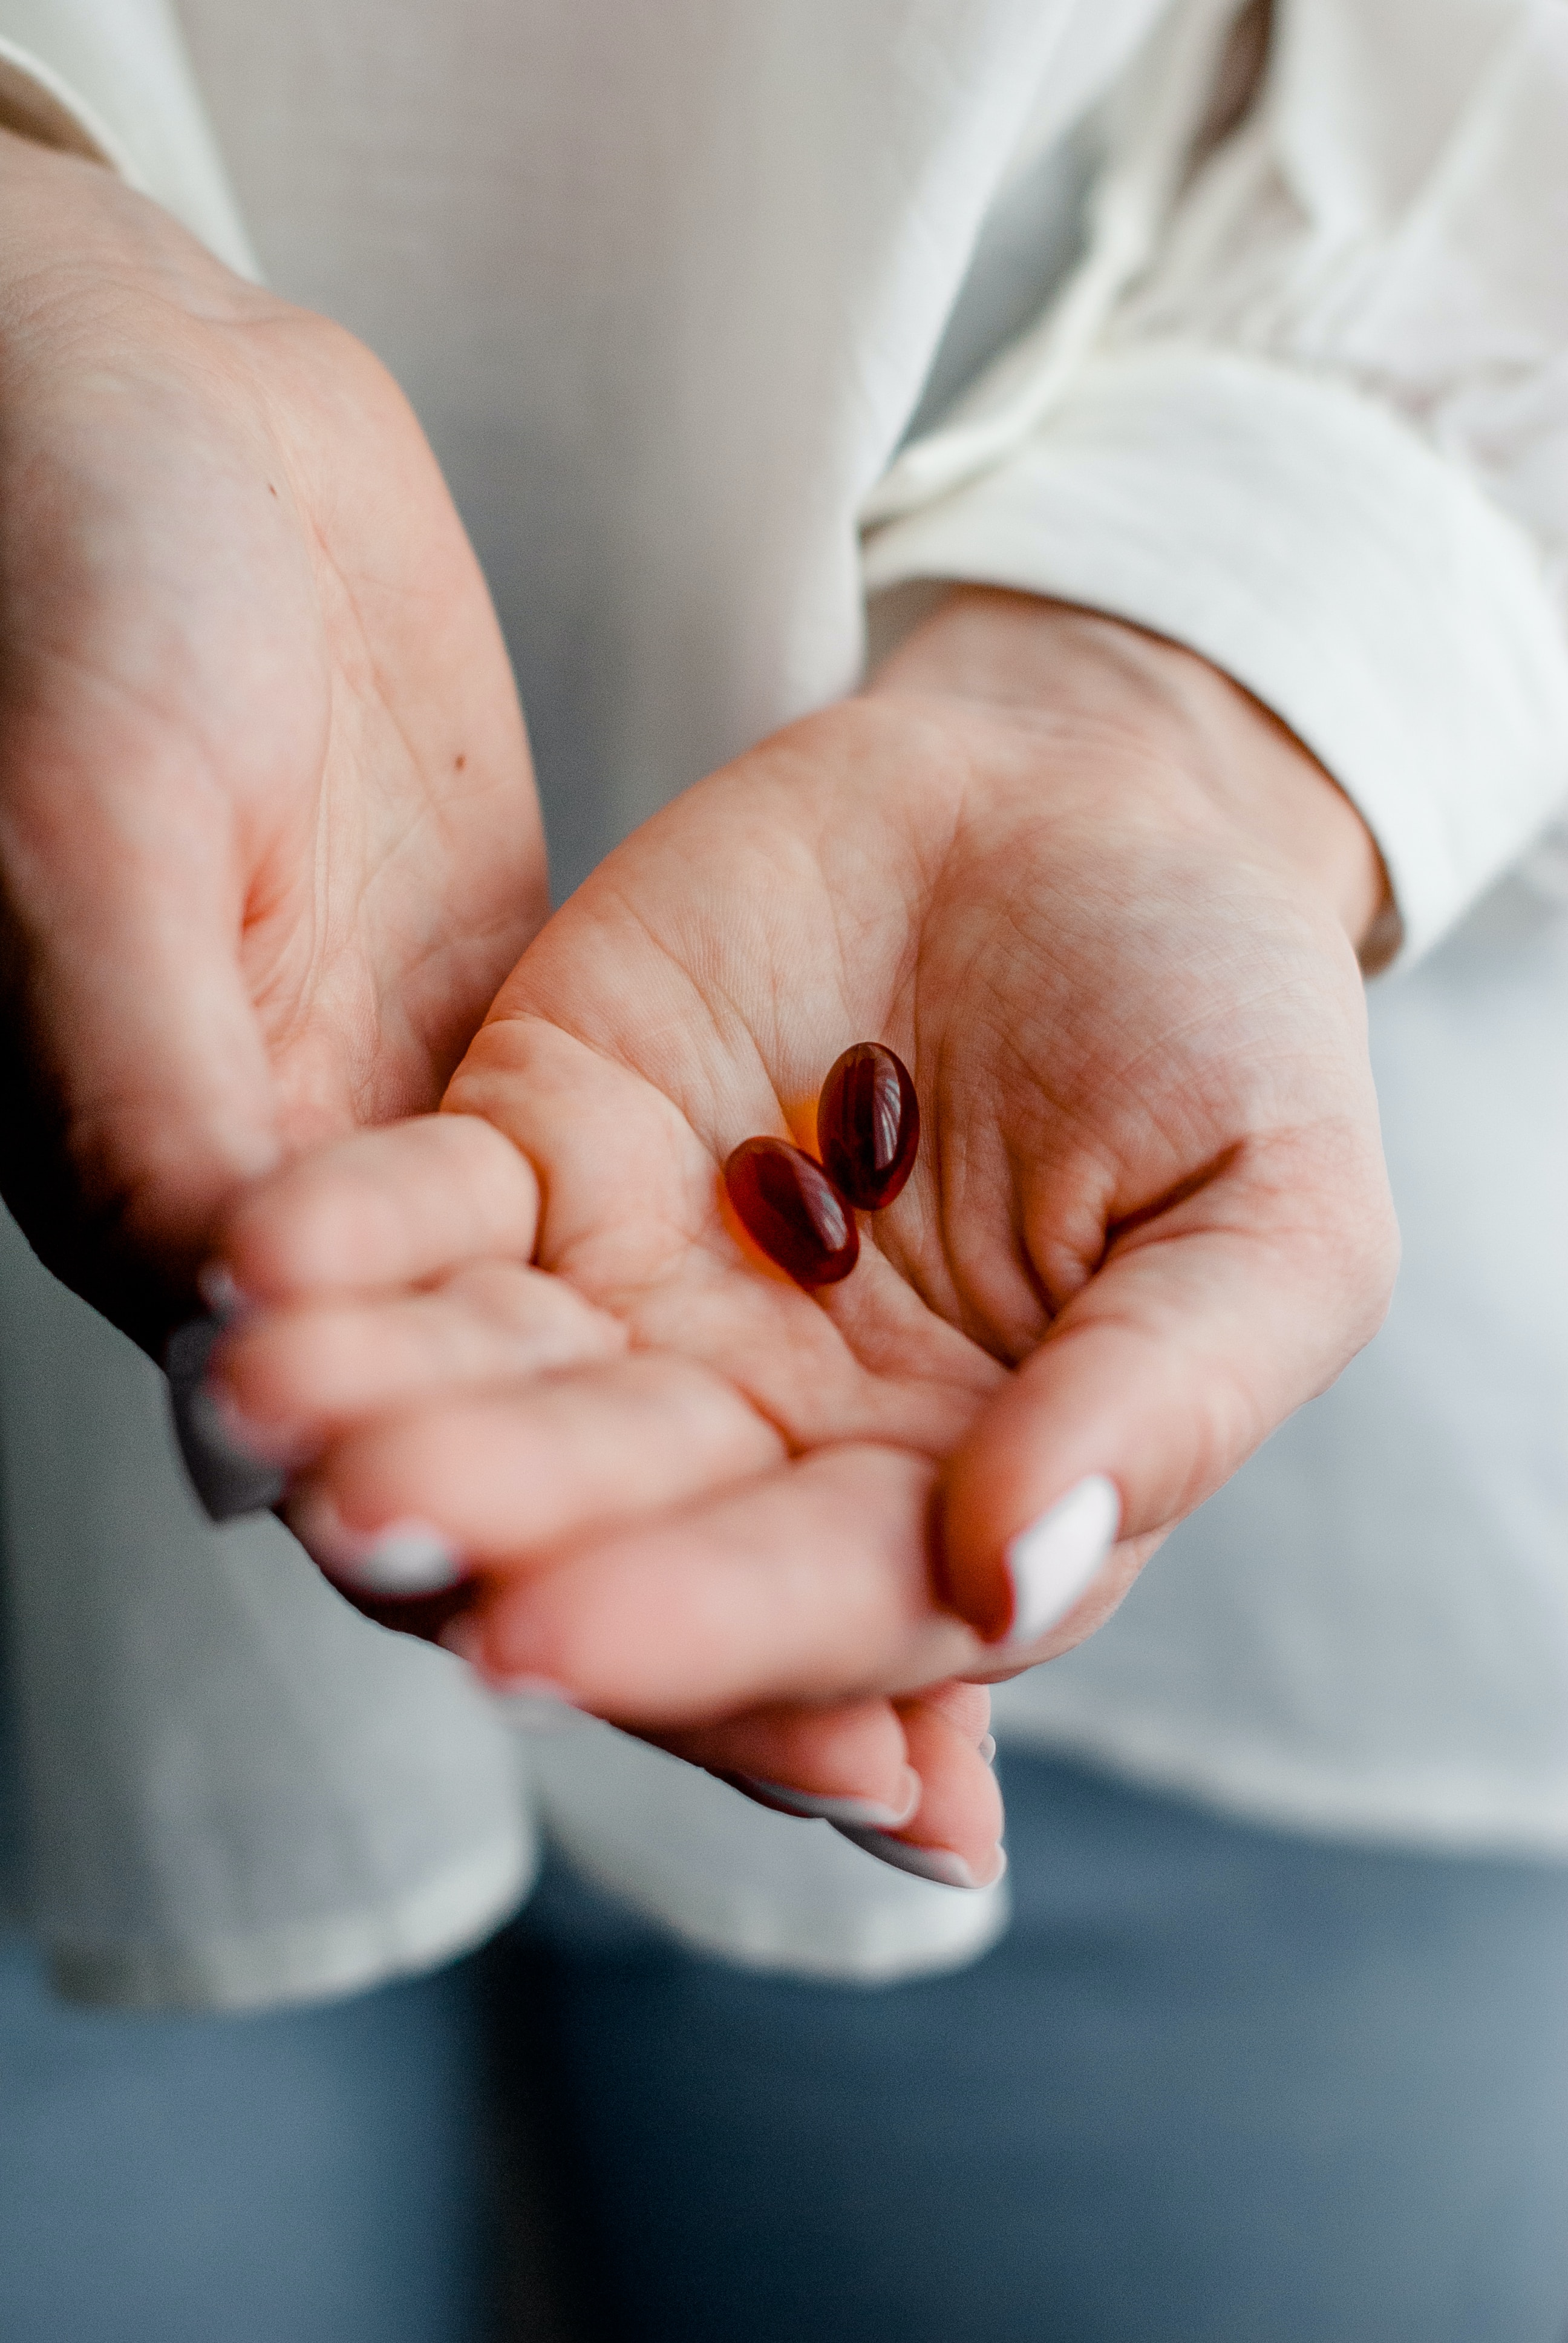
x=226, y=1300
x=263, y=1444
x=532, y=1704
x=937, y=1864
x=535, y=1703
x=405, y=1557
x=1051, y=1563
x=865, y=1814
x=228, y=1470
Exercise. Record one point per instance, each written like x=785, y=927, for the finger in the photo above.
x=811, y=1582
x=496, y=1480
x=845, y=1763
x=1201, y=1332
x=966, y=1707
x=954, y=1836
x=287, y=1379
x=384, y=1208
x=962, y=1805
x=905, y=1783
x=139, y=1086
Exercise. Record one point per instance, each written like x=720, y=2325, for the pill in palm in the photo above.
x=787, y=1204
x=868, y=1125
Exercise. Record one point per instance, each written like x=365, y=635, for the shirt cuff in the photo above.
x=109, y=85
x=1316, y=549
x=36, y=104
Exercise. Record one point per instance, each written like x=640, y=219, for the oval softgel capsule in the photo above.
x=787, y=1204
x=868, y=1125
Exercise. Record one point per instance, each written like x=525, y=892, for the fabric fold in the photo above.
x=1311, y=545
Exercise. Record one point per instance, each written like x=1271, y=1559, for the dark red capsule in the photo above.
x=868, y=1125
x=788, y=1204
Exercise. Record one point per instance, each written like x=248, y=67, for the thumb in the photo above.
x=139, y=1088
x=1199, y=1334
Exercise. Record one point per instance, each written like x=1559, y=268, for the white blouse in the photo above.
x=667, y=287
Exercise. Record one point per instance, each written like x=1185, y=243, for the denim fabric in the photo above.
x=1218, y=2085
x=309, y=2176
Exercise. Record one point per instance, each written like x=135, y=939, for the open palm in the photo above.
x=1149, y=1216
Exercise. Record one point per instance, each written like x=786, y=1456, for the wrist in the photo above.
x=81, y=242
x=1174, y=713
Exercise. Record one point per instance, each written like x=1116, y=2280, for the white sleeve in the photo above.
x=1305, y=407
x=111, y=79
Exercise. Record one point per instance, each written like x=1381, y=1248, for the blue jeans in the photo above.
x=1218, y=2085
x=311, y=2176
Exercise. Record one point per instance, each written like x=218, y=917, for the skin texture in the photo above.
x=268, y=836
x=1106, y=910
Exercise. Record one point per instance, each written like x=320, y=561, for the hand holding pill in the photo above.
x=1145, y=1214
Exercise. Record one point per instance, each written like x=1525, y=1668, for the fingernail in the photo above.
x=228, y=1477
x=937, y=1863
x=404, y=1557
x=536, y=1704
x=987, y=1746
x=862, y=1813
x=223, y=1296
x=1053, y=1562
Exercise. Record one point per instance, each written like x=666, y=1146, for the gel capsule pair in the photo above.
x=802, y=1213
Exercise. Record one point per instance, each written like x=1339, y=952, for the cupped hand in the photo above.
x=267, y=830
x=369, y=1333
x=1103, y=907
